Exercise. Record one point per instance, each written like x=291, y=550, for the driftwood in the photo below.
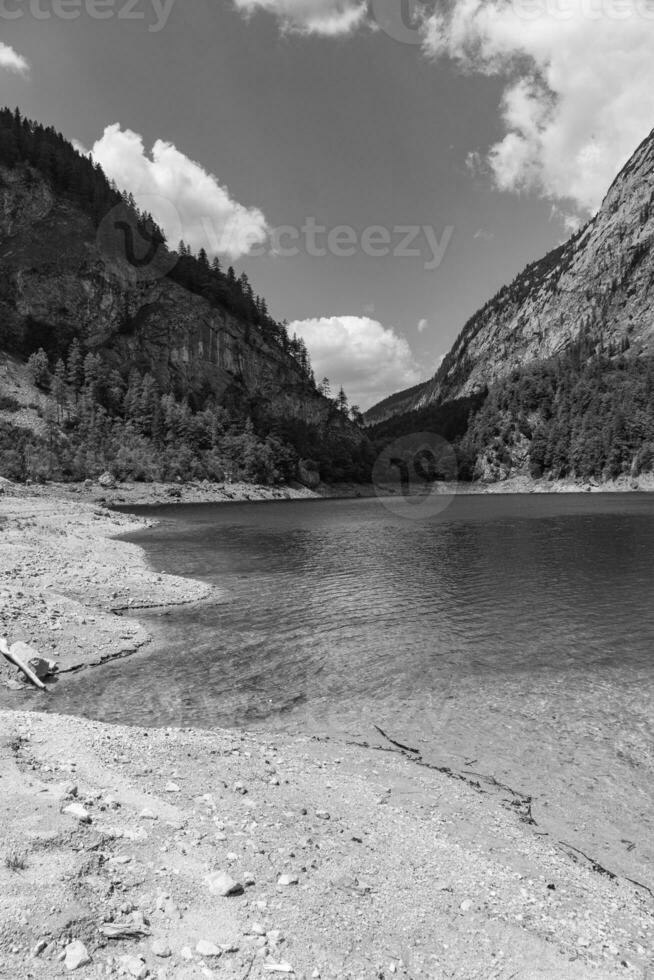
x=17, y=662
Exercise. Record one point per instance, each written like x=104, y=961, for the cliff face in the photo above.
x=600, y=282
x=59, y=277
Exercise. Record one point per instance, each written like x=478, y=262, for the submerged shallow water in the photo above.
x=512, y=635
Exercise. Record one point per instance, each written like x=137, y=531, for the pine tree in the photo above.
x=75, y=370
x=58, y=388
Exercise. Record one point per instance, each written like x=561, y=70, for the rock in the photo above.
x=38, y=949
x=66, y=791
x=43, y=668
x=322, y=815
x=161, y=949
x=278, y=968
x=148, y=815
x=135, y=966
x=79, y=812
x=76, y=955
x=288, y=879
x=206, y=948
x=107, y=481
x=220, y=883
x=172, y=788
x=466, y=905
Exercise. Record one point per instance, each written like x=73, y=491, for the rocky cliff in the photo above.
x=61, y=277
x=598, y=284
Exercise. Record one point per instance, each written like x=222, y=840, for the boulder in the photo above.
x=107, y=481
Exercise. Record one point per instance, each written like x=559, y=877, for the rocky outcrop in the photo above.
x=59, y=278
x=600, y=282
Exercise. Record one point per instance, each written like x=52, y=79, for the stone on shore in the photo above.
x=206, y=948
x=220, y=883
x=79, y=812
x=77, y=955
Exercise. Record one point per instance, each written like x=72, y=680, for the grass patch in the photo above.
x=16, y=860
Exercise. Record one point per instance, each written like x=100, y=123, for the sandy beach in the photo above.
x=340, y=860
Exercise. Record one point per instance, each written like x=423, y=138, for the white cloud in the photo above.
x=370, y=361
x=183, y=198
x=422, y=325
x=13, y=61
x=330, y=18
x=579, y=82
x=482, y=235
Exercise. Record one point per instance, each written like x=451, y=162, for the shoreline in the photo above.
x=402, y=870
x=66, y=575
x=344, y=862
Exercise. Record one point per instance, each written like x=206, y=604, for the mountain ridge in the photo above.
x=585, y=283
x=80, y=265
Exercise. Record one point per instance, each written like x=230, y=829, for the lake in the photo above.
x=509, y=635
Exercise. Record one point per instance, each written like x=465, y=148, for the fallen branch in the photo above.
x=639, y=884
x=12, y=658
x=595, y=865
x=521, y=802
x=405, y=748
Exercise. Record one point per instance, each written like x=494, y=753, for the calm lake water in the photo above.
x=512, y=635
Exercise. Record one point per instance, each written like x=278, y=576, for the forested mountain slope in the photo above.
x=556, y=370
x=143, y=344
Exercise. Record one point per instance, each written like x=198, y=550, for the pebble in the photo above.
x=466, y=905
x=172, y=788
x=278, y=968
x=323, y=815
x=220, y=883
x=76, y=955
x=134, y=966
x=206, y=948
x=79, y=812
x=161, y=949
x=288, y=879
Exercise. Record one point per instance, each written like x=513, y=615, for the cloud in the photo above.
x=422, y=325
x=330, y=18
x=579, y=76
x=370, y=361
x=482, y=235
x=183, y=198
x=13, y=61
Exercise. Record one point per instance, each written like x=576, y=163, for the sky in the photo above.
x=379, y=170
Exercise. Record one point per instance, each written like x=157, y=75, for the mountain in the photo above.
x=79, y=264
x=583, y=315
